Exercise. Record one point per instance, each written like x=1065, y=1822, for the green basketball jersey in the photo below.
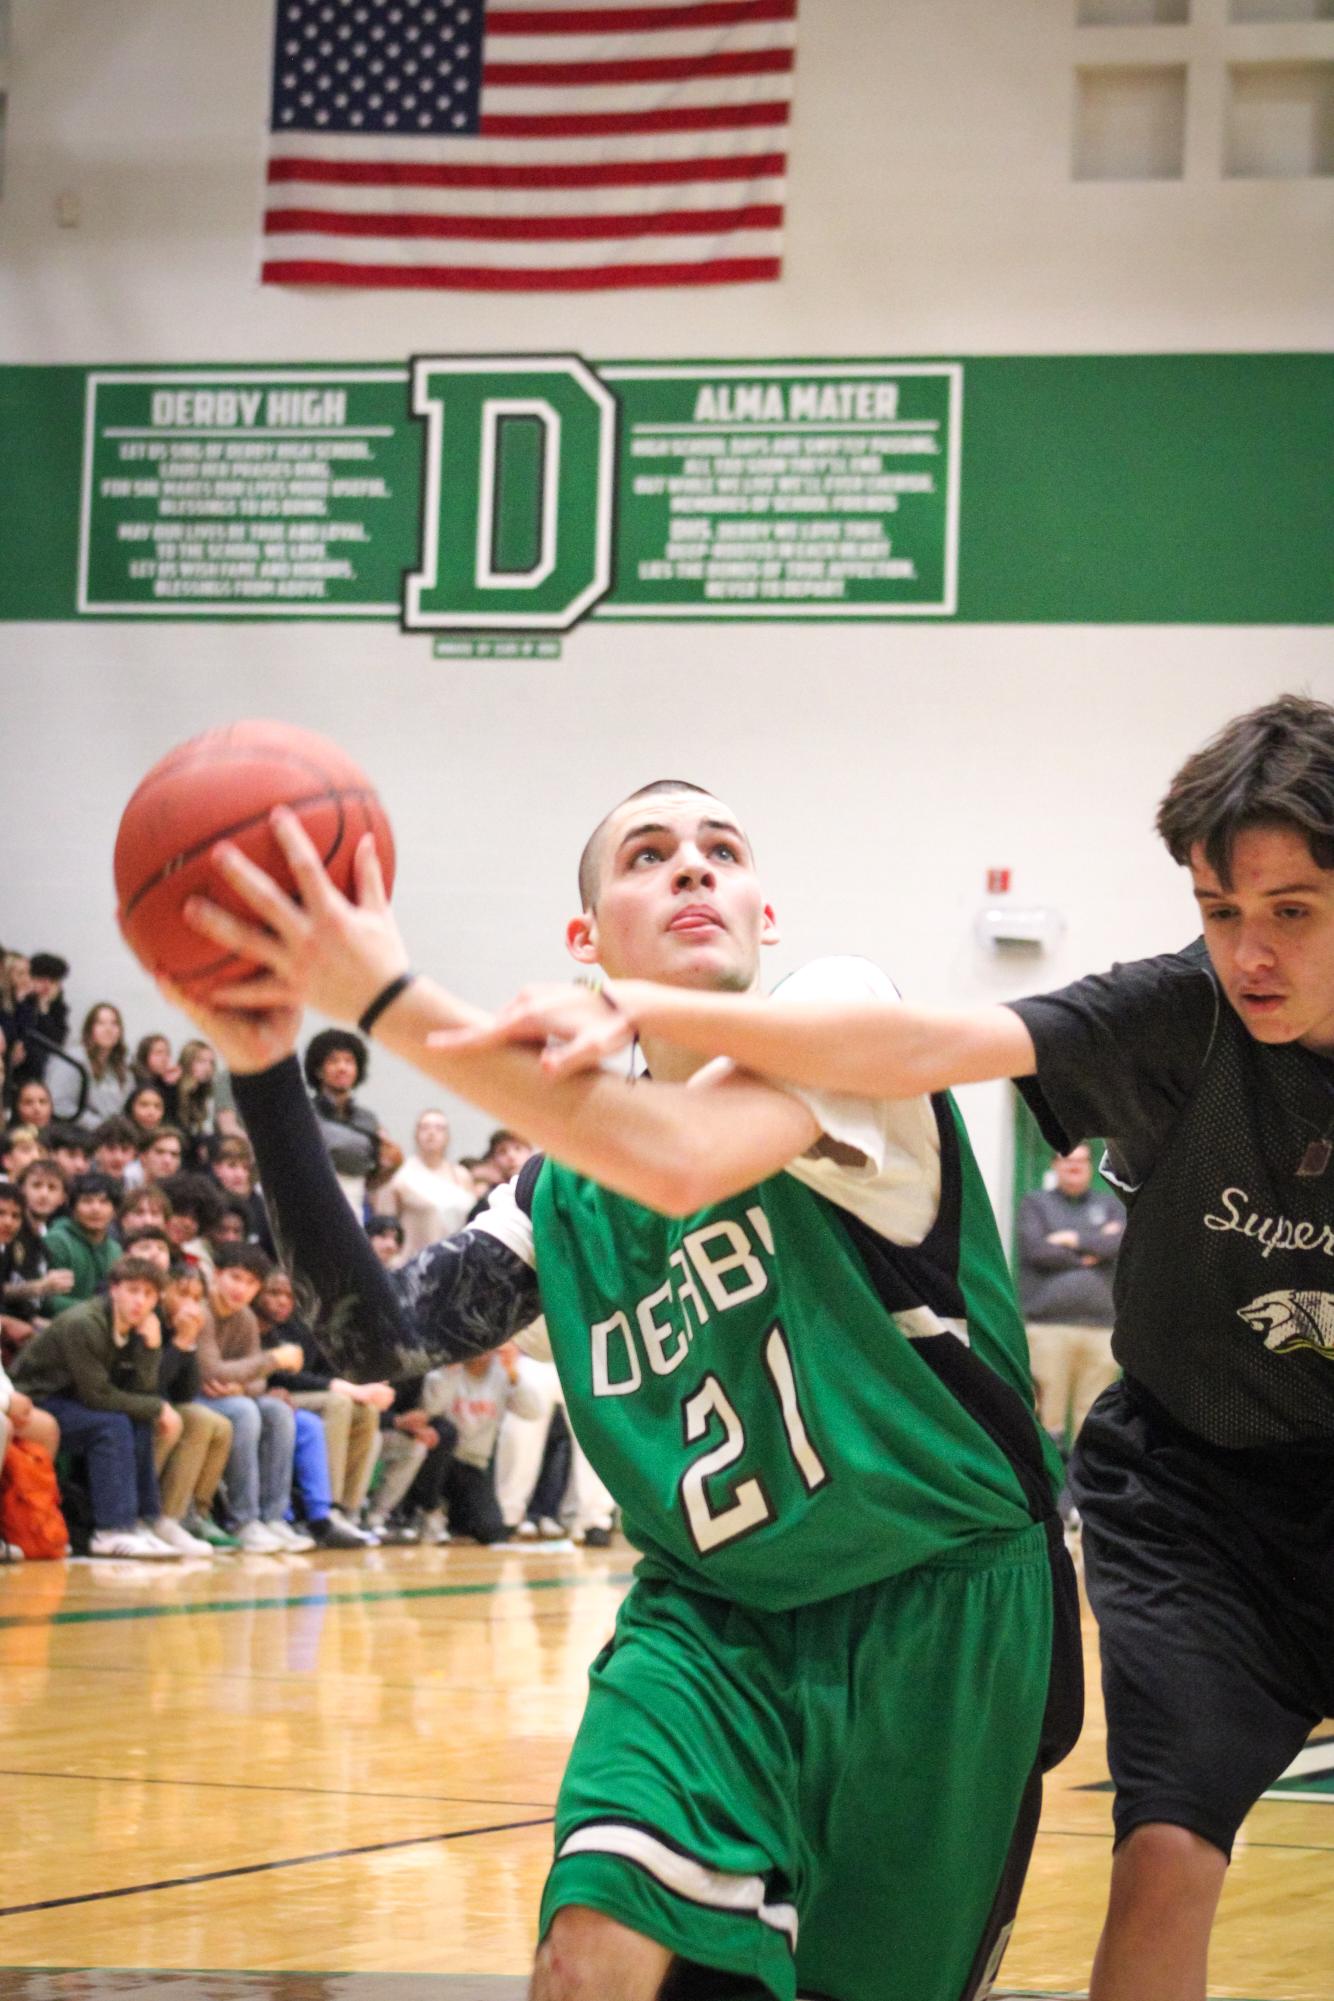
x=784, y=1403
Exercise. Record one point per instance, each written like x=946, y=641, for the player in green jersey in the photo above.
x=810, y=1763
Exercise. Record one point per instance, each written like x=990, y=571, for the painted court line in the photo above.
x=251, y=1786
x=283, y=1602
x=266, y=1868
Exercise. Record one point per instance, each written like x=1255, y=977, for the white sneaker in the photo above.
x=289, y=1538
x=256, y=1540
x=178, y=1537
x=432, y=1527
x=549, y=1530
x=131, y=1543
x=11, y=1553
x=526, y=1531
x=148, y=1533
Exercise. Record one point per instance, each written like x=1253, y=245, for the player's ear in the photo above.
x=769, y=932
x=581, y=938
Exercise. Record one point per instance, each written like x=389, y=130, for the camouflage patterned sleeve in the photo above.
x=457, y=1298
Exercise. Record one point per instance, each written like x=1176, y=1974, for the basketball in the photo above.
x=223, y=786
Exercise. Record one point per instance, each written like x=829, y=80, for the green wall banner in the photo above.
x=522, y=494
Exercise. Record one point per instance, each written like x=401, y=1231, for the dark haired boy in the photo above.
x=45, y=1192
x=196, y=1204
x=69, y=1150
x=160, y=1155
x=82, y=1242
x=1205, y=1479
x=386, y=1235
x=27, y=1283
x=95, y=1371
x=115, y=1144
x=271, y=1439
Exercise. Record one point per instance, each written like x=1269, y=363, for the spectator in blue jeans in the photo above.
x=94, y=1369
x=235, y=1374
x=267, y=1433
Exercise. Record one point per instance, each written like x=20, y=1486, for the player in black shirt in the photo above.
x=1205, y=1479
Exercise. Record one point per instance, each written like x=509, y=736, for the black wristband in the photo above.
x=385, y=998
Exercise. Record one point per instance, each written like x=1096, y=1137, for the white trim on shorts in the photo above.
x=681, y=1874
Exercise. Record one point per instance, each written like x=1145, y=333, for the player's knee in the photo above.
x=587, y=1956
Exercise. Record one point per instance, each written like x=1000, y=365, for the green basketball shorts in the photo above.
x=824, y=1802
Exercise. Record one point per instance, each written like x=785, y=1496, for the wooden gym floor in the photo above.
x=332, y=1779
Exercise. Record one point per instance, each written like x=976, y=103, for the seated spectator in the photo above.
x=282, y=1437
x=194, y=1099
x=153, y=1063
x=235, y=1377
x=82, y=1242
x=540, y=1484
x=15, y=983
x=484, y=1176
x=150, y=1240
x=94, y=1370
x=160, y=1153
x=146, y=1107
x=45, y=1193
x=386, y=1235
x=32, y=1105
x=115, y=1145
x=233, y=1168
x=231, y=1225
x=335, y=1066
x=190, y=1471
x=107, y=1062
x=349, y=1412
x=20, y=1418
x=428, y=1194
x=68, y=1148
x=195, y=1206
x=19, y=1147
x=27, y=1284
x=41, y=1017
x=455, y=1484
x=507, y=1152
x=407, y=1435
x=141, y=1207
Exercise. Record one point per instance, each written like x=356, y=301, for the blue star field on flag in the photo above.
x=378, y=66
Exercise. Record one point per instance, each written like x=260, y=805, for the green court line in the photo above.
x=285, y=1602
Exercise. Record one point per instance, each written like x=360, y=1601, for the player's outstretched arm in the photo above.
x=866, y=1047
x=673, y=1148
x=455, y=1300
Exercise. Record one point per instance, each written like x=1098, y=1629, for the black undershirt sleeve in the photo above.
x=1119, y=1053
x=458, y=1298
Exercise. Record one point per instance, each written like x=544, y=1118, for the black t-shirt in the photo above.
x=1225, y=1284
x=1119, y=1054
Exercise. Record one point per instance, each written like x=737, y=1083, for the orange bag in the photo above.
x=30, y=1514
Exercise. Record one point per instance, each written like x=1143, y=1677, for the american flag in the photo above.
x=477, y=145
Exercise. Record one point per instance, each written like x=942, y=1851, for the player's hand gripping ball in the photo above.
x=223, y=786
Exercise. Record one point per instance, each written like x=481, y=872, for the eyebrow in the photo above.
x=661, y=827
x=1288, y=889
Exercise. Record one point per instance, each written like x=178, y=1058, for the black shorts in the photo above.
x=1212, y=1577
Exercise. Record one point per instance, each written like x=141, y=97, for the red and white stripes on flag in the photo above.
x=609, y=145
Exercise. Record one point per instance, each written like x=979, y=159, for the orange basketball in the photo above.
x=223, y=786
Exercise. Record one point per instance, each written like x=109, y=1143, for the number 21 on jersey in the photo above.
x=749, y=1507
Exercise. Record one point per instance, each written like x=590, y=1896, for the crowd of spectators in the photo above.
x=156, y=1353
